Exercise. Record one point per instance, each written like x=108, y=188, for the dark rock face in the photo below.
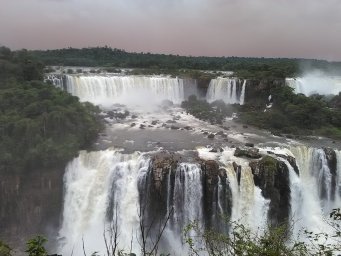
x=332, y=164
x=248, y=153
x=272, y=176
x=30, y=204
x=292, y=162
x=213, y=177
x=156, y=191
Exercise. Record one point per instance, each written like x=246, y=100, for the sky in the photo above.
x=251, y=28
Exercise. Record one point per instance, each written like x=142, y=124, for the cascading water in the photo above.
x=56, y=80
x=96, y=184
x=248, y=203
x=315, y=84
x=102, y=189
x=136, y=90
x=106, y=187
x=228, y=90
x=310, y=191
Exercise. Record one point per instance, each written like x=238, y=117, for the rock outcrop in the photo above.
x=272, y=176
x=248, y=153
x=30, y=204
x=217, y=205
x=332, y=164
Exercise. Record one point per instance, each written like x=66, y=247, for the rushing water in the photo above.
x=106, y=188
x=315, y=84
x=106, y=90
x=229, y=90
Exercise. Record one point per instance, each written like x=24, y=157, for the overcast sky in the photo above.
x=269, y=28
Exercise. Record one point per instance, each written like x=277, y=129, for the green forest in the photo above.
x=291, y=114
x=40, y=125
x=244, y=67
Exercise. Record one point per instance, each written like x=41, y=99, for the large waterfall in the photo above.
x=108, y=187
x=130, y=90
x=230, y=90
x=315, y=84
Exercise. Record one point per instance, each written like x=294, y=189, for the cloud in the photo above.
x=285, y=28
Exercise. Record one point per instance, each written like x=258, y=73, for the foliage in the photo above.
x=5, y=250
x=40, y=125
x=35, y=246
x=273, y=242
x=295, y=114
x=215, y=113
x=245, y=67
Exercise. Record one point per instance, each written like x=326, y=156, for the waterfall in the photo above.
x=136, y=90
x=315, y=84
x=102, y=188
x=248, y=203
x=338, y=180
x=93, y=182
x=227, y=90
x=107, y=187
x=310, y=191
x=242, y=95
x=56, y=80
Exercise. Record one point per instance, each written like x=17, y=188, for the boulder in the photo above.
x=248, y=153
x=211, y=136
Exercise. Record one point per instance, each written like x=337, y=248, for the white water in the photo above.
x=248, y=204
x=89, y=182
x=315, y=83
x=103, y=181
x=226, y=89
x=187, y=204
x=55, y=80
x=308, y=210
x=128, y=90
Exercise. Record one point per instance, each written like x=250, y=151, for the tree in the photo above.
x=35, y=246
x=5, y=250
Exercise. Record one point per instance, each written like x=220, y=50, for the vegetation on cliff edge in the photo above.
x=40, y=125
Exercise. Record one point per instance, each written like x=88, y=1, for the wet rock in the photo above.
x=211, y=136
x=251, y=145
x=170, y=122
x=212, y=174
x=226, y=128
x=248, y=153
x=226, y=140
x=132, y=124
x=205, y=133
x=154, y=122
x=245, y=126
x=332, y=164
x=173, y=127
x=291, y=160
x=188, y=128
x=142, y=126
x=134, y=116
x=221, y=133
x=213, y=150
x=272, y=177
